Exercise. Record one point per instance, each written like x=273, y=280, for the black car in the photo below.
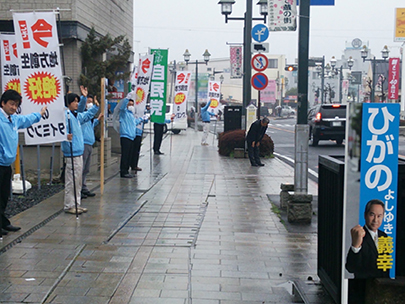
x=327, y=122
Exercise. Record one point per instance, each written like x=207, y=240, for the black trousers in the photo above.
x=135, y=152
x=127, y=148
x=157, y=139
x=254, y=154
x=5, y=186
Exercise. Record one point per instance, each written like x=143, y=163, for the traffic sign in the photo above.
x=260, y=32
x=259, y=81
x=260, y=47
x=259, y=62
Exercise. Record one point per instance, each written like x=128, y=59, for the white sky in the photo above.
x=199, y=25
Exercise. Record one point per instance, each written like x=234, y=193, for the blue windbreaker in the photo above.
x=128, y=122
x=87, y=127
x=74, y=127
x=9, y=135
x=205, y=115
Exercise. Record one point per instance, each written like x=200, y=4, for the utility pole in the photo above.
x=302, y=129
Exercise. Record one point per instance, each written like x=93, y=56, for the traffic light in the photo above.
x=291, y=68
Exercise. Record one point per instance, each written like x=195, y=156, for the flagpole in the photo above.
x=102, y=103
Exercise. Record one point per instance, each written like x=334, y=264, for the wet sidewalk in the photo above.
x=192, y=227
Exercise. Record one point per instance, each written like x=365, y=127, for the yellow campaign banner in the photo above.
x=400, y=25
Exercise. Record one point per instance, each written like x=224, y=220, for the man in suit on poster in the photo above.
x=362, y=256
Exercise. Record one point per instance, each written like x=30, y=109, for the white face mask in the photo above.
x=89, y=105
x=132, y=109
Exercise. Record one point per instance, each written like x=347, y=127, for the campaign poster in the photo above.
x=40, y=75
x=181, y=88
x=371, y=186
x=158, y=88
x=214, y=95
x=10, y=68
x=143, y=80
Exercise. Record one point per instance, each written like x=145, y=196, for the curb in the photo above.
x=289, y=161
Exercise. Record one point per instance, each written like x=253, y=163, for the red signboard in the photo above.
x=393, y=78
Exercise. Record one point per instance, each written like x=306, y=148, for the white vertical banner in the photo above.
x=10, y=69
x=282, y=15
x=214, y=94
x=181, y=88
x=236, y=61
x=143, y=80
x=40, y=75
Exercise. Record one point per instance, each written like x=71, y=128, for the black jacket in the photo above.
x=256, y=132
x=364, y=263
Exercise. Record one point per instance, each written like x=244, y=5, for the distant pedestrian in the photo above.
x=86, y=103
x=253, y=138
x=9, y=125
x=158, y=135
x=73, y=149
x=206, y=119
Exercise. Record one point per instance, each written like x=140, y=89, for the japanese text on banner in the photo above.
x=214, y=94
x=181, y=88
x=40, y=75
x=10, y=69
x=379, y=173
x=143, y=80
x=158, y=88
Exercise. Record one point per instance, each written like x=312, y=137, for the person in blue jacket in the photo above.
x=205, y=117
x=73, y=149
x=9, y=124
x=86, y=103
x=128, y=132
x=134, y=158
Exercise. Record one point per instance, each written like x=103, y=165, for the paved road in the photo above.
x=282, y=133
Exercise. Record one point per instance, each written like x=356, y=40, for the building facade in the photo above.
x=77, y=17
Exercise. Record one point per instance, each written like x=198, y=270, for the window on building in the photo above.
x=273, y=64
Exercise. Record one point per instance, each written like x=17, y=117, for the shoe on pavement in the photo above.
x=4, y=232
x=83, y=196
x=158, y=153
x=73, y=211
x=127, y=175
x=260, y=165
x=88, y=193
x=83, y=209
x=255, y=165
x=138, y=169
x=11, y=228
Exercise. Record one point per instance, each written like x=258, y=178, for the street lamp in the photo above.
x=206, y=57
x=226, y=10
x=364, y=54
x=339, y=71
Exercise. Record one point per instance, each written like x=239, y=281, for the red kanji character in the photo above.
x=41, y=29
x=24, y=33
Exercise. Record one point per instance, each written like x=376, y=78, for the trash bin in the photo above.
x=232, y=118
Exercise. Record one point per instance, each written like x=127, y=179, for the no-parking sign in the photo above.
x=259, y=81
